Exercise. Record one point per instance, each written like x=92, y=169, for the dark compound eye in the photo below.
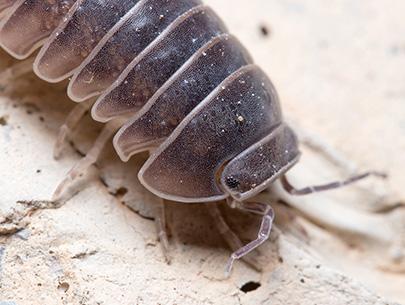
x=231, y=182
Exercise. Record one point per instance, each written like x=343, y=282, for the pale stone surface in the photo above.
x=337, y=67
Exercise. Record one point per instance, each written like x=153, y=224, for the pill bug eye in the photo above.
x=232, y=182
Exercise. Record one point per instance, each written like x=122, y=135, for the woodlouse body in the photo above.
x=190, y=90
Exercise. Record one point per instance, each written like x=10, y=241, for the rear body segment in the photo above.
x=29, y=24
x=73, y=40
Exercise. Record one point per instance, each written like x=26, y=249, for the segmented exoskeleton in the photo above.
x=188, y=91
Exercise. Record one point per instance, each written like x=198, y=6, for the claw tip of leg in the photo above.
x=228, y=268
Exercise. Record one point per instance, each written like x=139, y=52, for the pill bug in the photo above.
x=186, y=90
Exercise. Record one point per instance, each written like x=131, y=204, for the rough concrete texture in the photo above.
x=337, y=67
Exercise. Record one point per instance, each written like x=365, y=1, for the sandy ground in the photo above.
x=338, y=68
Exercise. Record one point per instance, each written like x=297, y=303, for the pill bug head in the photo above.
x=257, y=167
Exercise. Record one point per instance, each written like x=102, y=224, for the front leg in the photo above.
x=161, y=227
x=227, y=234
x=264, y=231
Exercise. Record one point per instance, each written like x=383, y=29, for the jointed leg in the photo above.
x=71, y=121
x=264, y=232
x=227, y=234
x=325, y=187
x=90, y=158
x=3, y=13
x=17, y=70
x=160, y=221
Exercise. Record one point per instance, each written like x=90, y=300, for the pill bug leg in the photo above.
x=17, y=70
x=264, y=232
x=228, y=235
x=90, y=158
x=329, y=186
x=70, y=123
x=5, y=6
x=332, y=155
x=161, y=227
